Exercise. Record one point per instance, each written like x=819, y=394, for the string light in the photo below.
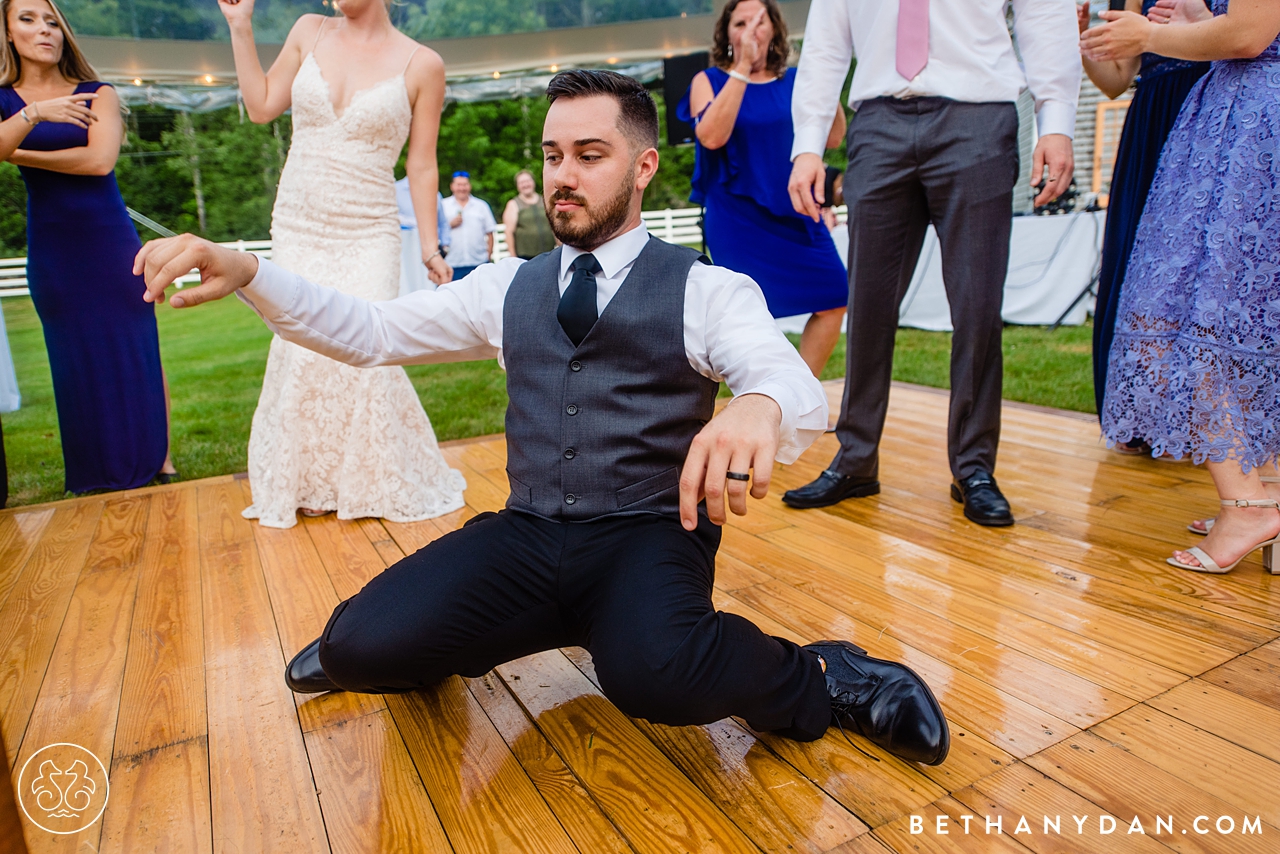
x=554, y=69
x=137, y=81
x=208, y=78
x=497, y=74
x=613, y=60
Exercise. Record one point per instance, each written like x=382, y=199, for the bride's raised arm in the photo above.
x=266, y=94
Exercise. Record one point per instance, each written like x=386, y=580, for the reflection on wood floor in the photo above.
x=1082, y=675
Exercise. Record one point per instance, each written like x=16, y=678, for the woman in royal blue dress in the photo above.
x=63, y=130
x=741, y=108
x=1162, y=87
x=1195, y=365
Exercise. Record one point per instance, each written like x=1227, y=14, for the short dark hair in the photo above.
x=637, y=114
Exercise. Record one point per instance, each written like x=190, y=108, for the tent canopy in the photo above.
x=201, y=74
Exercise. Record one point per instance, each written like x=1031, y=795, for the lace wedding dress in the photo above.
x=327, y=436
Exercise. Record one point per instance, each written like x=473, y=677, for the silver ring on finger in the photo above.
x=737, y=475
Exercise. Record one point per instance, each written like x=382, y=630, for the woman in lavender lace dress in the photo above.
x=1195, y=364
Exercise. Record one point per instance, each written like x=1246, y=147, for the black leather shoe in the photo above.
x=983, y=502
x=885, y=702
x=304, y=675
x=830, y=488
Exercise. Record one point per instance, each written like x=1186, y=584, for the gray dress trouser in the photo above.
x=913, y=162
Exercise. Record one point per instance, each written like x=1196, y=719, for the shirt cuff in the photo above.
x=271, y=291
x=809, y=141
x=1056, y=117
x=797, y=430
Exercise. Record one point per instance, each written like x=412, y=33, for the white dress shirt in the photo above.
x=728, y=332
x=469, y=245
x=971, y=58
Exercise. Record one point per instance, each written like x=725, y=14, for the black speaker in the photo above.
x=677, y=73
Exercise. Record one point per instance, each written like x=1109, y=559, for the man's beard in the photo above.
x=601, y=224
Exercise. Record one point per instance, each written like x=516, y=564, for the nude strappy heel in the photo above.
x=1209, y=565
x=1208, y=523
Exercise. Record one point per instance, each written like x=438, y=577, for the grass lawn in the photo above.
x=214, y=357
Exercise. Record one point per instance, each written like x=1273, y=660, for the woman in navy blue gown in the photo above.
x=1162, y=86
x=744, y=133
x=63, y=130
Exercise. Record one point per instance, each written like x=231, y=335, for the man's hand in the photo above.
x=742, y=438
x=808, y=180
x=222, y=271
x=1054, y=151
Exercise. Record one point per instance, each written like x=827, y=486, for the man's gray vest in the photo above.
x=602, y=428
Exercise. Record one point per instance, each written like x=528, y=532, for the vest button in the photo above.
x=570, y=453
x=575, y=365
x=572, y=409
x=570, y=498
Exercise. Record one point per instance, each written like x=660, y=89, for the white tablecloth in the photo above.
x=1052, y=259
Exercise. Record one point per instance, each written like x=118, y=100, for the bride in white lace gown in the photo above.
x=326, y=436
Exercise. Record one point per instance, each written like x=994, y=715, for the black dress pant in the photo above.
x=914, y=162
x=634, y=590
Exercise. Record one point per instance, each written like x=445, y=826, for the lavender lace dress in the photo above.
x=1195, y=364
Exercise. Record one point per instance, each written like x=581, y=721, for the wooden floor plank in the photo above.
x=978, y=840
x=79, y=698
x=1021, y=792
x=574, y=806
x=302, y=599
x=1230, y=716
x=262, y=795
x=485, y=800
x=370, y=793
x=19, y=533
x=1125, y=785
x=971, y=756
x=778, y=808
x=162, y=700
x=33, y=614
x=655, y=806
x=160, y=770
x=160, y=801
x=1009, y=722
x=1236, y=775
x=1250, y=676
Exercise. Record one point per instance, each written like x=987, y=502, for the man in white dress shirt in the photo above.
x=472, y=226
x=934, y=140
x=614, y=346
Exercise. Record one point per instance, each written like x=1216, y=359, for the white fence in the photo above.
x=679, y=225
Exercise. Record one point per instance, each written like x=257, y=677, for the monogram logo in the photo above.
x=63, y=788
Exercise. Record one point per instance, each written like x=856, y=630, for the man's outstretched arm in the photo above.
x=458, y=322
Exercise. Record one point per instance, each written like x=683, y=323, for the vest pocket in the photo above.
x=519, y=490
x=649, y=487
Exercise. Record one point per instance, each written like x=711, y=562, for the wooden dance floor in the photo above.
x=1082, y=676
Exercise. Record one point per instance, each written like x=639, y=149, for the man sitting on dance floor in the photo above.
x=614, y=345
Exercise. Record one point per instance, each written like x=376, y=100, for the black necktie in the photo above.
x=577, y=311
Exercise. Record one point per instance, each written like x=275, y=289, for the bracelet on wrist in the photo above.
x=427, y=261
x=738, y=75
x=32, y=122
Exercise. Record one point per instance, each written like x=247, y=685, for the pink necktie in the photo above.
x=913, y=37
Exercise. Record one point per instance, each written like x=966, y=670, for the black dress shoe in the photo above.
x=983, y=502
x=885, y=702
x=830, y=488
x=304, y=675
